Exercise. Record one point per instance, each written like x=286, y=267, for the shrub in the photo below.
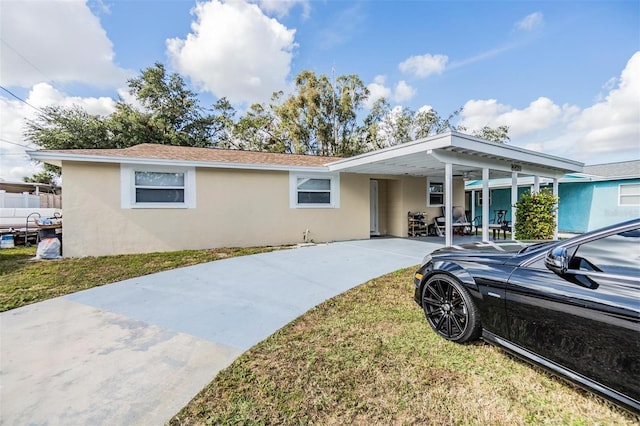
x=535, y=215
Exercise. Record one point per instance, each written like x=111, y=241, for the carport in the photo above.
x=455, y=155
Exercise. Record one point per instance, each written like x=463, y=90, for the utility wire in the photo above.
x=24, y=59
x=18, y=144
x=21, y=100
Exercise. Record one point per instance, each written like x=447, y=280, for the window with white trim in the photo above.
x=157, y=187
x=314, y=190
x=629, y=194
x=435, y=193
x=480, y=197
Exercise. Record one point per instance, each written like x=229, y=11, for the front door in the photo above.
x=373, y=186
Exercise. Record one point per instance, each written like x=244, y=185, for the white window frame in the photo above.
x=334, y=179
x=480, y=197
x=437, y=182
x=128, y=187
x=635, y=194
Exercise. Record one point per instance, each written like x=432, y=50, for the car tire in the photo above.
x=450, y=310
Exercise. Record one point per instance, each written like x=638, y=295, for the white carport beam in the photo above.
x=485, y=204
x=536, y=184
x=504, y=165
x=448, y=200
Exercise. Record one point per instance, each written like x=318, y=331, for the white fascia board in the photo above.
x=471, y=160
x=422, y=145
x=506, y=183
x=57, y=158
x=471, y=143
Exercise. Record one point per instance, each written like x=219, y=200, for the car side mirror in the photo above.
x=557, y=260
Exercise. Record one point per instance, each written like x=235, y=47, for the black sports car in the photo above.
x=570, y=306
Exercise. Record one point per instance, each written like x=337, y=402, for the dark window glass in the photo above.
x=615, y=254
x=314, y=197
x=436, y=193
x=435, y=199
x=144, y=195
x=314, y=191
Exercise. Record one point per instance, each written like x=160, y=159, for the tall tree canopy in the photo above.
x=320, y=117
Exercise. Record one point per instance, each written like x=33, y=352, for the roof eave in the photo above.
x=56, y=159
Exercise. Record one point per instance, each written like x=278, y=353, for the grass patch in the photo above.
x=369, y=357
x=24, y=281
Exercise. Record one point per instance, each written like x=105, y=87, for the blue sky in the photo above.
x=564, y=76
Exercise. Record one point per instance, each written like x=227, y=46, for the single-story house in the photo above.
x=601, y=195
x=150, y=198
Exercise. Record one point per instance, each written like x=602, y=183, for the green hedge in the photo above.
x=535, y=215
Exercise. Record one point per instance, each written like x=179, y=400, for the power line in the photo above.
x=20, y=99
x=18, y=144
x=24, y=59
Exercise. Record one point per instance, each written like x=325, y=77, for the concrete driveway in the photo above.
x=136, y=351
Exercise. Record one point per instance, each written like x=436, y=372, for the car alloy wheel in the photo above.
x=449, y=309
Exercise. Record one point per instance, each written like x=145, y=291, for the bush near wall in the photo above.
x=536, y=215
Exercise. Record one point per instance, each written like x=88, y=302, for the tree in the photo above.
x=58, y=127
x=385, y=127
x=320, y=118
x=171, y=114
x=500, y=134
x=373, y=132
x=46, y=176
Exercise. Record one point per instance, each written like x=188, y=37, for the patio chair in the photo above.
x=498, y=223
x=459, y=221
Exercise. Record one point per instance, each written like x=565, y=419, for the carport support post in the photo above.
x=514, y=200
x=473, y=205
x=555, y=193
x=448, y=200
x=485, y=204
x=536, y=184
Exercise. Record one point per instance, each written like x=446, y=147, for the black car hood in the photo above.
x=491, y=251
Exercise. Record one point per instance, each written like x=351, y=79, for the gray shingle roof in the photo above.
x=610, y=170
x=169, y=152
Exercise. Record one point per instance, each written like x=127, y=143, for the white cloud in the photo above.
x=234, y=51
x=378, y=89
x=281, y=8
x=531, y=22
x=425, y=65
x=14, y=163
x=403, y=92
x=614, y=123
x=540, y=114
x=607, y=131
x=58, y=41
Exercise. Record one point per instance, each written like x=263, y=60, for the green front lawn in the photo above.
x=368, y=357
x=24, y=281
x=364, y=357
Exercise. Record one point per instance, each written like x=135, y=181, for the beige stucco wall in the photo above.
x=234, y=208
x=409, y=194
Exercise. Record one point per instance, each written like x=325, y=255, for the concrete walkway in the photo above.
x=137, y=351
